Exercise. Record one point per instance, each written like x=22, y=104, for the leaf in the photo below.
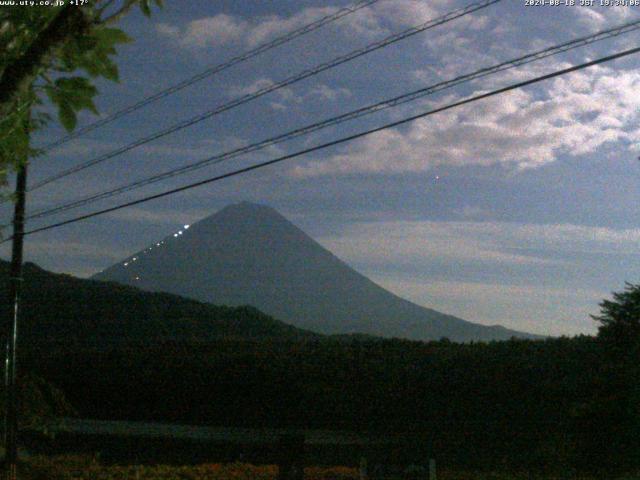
x=90, y=50
x=78, y=92
x=146, y=9
x=110, y=71
x=97, y=61
x=67, y=116
x=70, y=95
x=110, y=36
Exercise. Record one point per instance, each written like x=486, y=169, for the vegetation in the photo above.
x=611, y=416
x=66, y=309
x=54, y=53
x=546, y=406
x=41, y=403
x=518, y=405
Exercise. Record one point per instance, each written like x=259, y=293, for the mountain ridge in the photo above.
x=60, y=307
x=249, y=254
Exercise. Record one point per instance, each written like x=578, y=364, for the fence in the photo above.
x=376, y=456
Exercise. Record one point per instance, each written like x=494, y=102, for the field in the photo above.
x=85, y=468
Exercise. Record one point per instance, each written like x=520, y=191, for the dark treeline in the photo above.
x=119, y=353
x=534, y=405
x=58, y=307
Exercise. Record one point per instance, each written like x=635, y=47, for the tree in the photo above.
x=610, y=420
x=53, y=53
x=49, y=51
x=620, y=319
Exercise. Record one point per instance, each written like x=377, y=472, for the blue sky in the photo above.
x=520, y=210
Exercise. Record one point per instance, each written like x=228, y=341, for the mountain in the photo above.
x=248, y=254
x=62, y=308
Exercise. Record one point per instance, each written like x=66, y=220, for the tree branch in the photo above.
x=120, y=13
x=103, y=8
x=18, y=75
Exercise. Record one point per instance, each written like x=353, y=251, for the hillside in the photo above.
x=248, y=254
x=58, y=307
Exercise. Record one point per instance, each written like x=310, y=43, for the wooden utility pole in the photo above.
x=15, y=284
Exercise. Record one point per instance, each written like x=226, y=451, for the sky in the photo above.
x=519, y=210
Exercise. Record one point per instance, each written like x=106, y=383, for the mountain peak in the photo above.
x=249, y=224
x=249, y=254
x=247, y=207
x=245, y=213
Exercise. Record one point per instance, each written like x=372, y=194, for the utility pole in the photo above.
x=15, y=284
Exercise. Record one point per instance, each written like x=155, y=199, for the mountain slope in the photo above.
x=59, y=307
x=249, y=254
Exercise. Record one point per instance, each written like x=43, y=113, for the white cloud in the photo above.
x=218, y=30
x=576, y=115
x=472, y=212
x=263, y=29
x=325, y=92
x=75, y=249
x=398, y=243
x=287, y=96
x=383, y=249
x=403, y=242
x=408, y=12
x=540, y=309
x=223, y=29
x=164, y=217
x=168, y=30
x=598, y=17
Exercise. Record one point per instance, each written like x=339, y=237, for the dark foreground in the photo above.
x=545, y=407
x=85, y=468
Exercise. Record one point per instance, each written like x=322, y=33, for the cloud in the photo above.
x=75, y=249
x=408, y=12
x=263, y=29
x=80, y=258
x=157, y=217
x=218, y=30
x=285, y=93
x=421, y=242
x=473, y=212
x=224, y=29
x=287, y=96
x=404, y=256
x=540, y=309
x=401, y=243
x=575, y=115
x=598, y=17
x=325, y=92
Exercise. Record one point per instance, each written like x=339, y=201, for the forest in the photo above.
x=551, y=405
x=554, y=405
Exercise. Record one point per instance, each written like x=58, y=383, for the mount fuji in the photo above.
x=249, y=254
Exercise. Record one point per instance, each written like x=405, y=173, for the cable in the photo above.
x=263, y=91
x=212, y=71
x=336, y=142
x=393, y=102
x=276, y=86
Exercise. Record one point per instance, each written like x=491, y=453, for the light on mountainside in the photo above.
x=248, y=254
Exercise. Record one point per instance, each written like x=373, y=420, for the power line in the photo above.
x=393, y=102
x=212, y=71
x=338, y=141
x=276, y=86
